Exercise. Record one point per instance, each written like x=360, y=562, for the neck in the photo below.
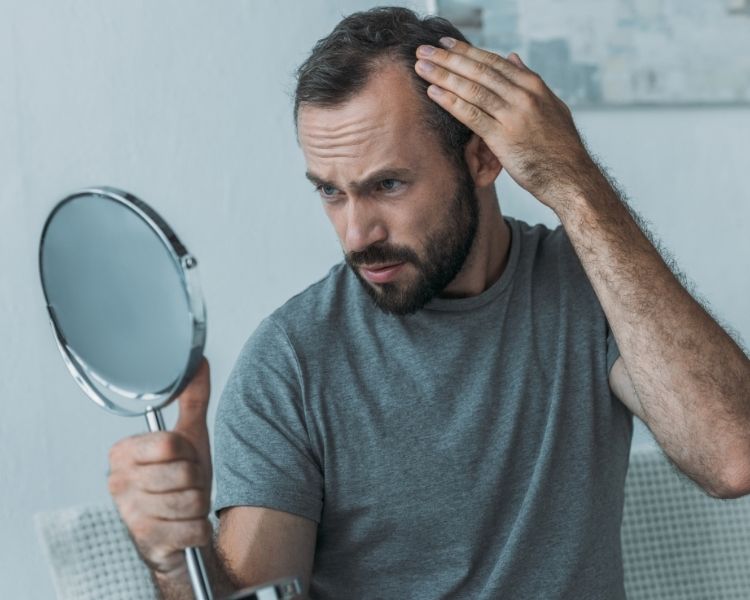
x=489, y=253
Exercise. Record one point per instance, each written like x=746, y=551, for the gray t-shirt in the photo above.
x=471, y=450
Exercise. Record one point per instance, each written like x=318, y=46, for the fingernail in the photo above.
x=434, y=90
x=448, y=42
x=426, y=50
x=425, y=66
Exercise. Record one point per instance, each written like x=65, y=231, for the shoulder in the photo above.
x=541, y=240
x=307, y=315
x=317, y=303
x=273, y=359
x=271, y=350
x=549, y=268
x=548, y=252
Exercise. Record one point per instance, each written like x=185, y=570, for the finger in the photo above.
x=147, y=448
x=174, y=506
x=472, y=70
x=478, y=94
x=193, y=403
x=505, y=67
x=470, y=115
x=170, y=477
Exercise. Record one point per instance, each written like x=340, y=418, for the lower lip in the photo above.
x=382, y=275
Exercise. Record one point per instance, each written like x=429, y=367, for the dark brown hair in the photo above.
x=340, y=65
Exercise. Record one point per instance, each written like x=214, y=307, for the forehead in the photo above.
x=381, y=126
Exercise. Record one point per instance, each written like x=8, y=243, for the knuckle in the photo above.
x=486, y=99
x=443, y=55
x=450, y=101
x=536, y=83
x=479, y=69
x=444, y=75
x=494, y=60
x=477, y=91
x=473, y=114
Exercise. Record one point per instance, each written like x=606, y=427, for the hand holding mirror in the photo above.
x=128, y=317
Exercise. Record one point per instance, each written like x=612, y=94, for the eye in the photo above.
x=326, y=190
x=390, y=185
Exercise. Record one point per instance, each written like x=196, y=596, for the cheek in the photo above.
x=421, y=220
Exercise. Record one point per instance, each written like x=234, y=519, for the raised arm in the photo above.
x=679, y=370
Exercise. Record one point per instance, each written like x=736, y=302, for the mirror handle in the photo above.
x=196, y=568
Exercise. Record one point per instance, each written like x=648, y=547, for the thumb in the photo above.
x=193, y=406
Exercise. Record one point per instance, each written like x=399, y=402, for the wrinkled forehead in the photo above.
x=384, y=122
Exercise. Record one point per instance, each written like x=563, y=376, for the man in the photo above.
x=448, y=413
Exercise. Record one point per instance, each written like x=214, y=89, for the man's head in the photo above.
x=342, y=63
x=397, y=174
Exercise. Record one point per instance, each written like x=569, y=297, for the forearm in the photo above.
x=692, y=380
x=177, y=586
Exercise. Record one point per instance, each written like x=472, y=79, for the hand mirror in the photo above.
x=127, y=313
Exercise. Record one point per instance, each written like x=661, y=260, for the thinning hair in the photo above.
x=341, y=64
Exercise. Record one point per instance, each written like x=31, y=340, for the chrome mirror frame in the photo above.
x=184, y=262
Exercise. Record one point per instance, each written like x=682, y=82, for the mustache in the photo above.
x=381, y=253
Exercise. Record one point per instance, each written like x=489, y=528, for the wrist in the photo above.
x=589, y=192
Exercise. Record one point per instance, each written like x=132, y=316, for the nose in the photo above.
x=364, y=226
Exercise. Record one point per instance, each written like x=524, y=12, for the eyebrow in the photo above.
x=368, y=182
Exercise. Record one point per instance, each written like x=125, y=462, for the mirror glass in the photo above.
x=119, y=298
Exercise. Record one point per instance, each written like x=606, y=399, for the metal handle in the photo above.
x=196, y=568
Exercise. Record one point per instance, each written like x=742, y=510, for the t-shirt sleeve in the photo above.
x=613, y=351
x=262, y=450
x=574, y=272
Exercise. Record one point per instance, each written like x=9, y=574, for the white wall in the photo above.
x=187, y=104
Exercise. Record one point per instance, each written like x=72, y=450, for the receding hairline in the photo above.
x=383, y=59
x=390, y=58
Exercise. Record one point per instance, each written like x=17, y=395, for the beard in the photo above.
x=445, y=252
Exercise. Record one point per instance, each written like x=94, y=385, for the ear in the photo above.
x=483, y=164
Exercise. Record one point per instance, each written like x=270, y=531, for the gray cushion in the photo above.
x=678, y=542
